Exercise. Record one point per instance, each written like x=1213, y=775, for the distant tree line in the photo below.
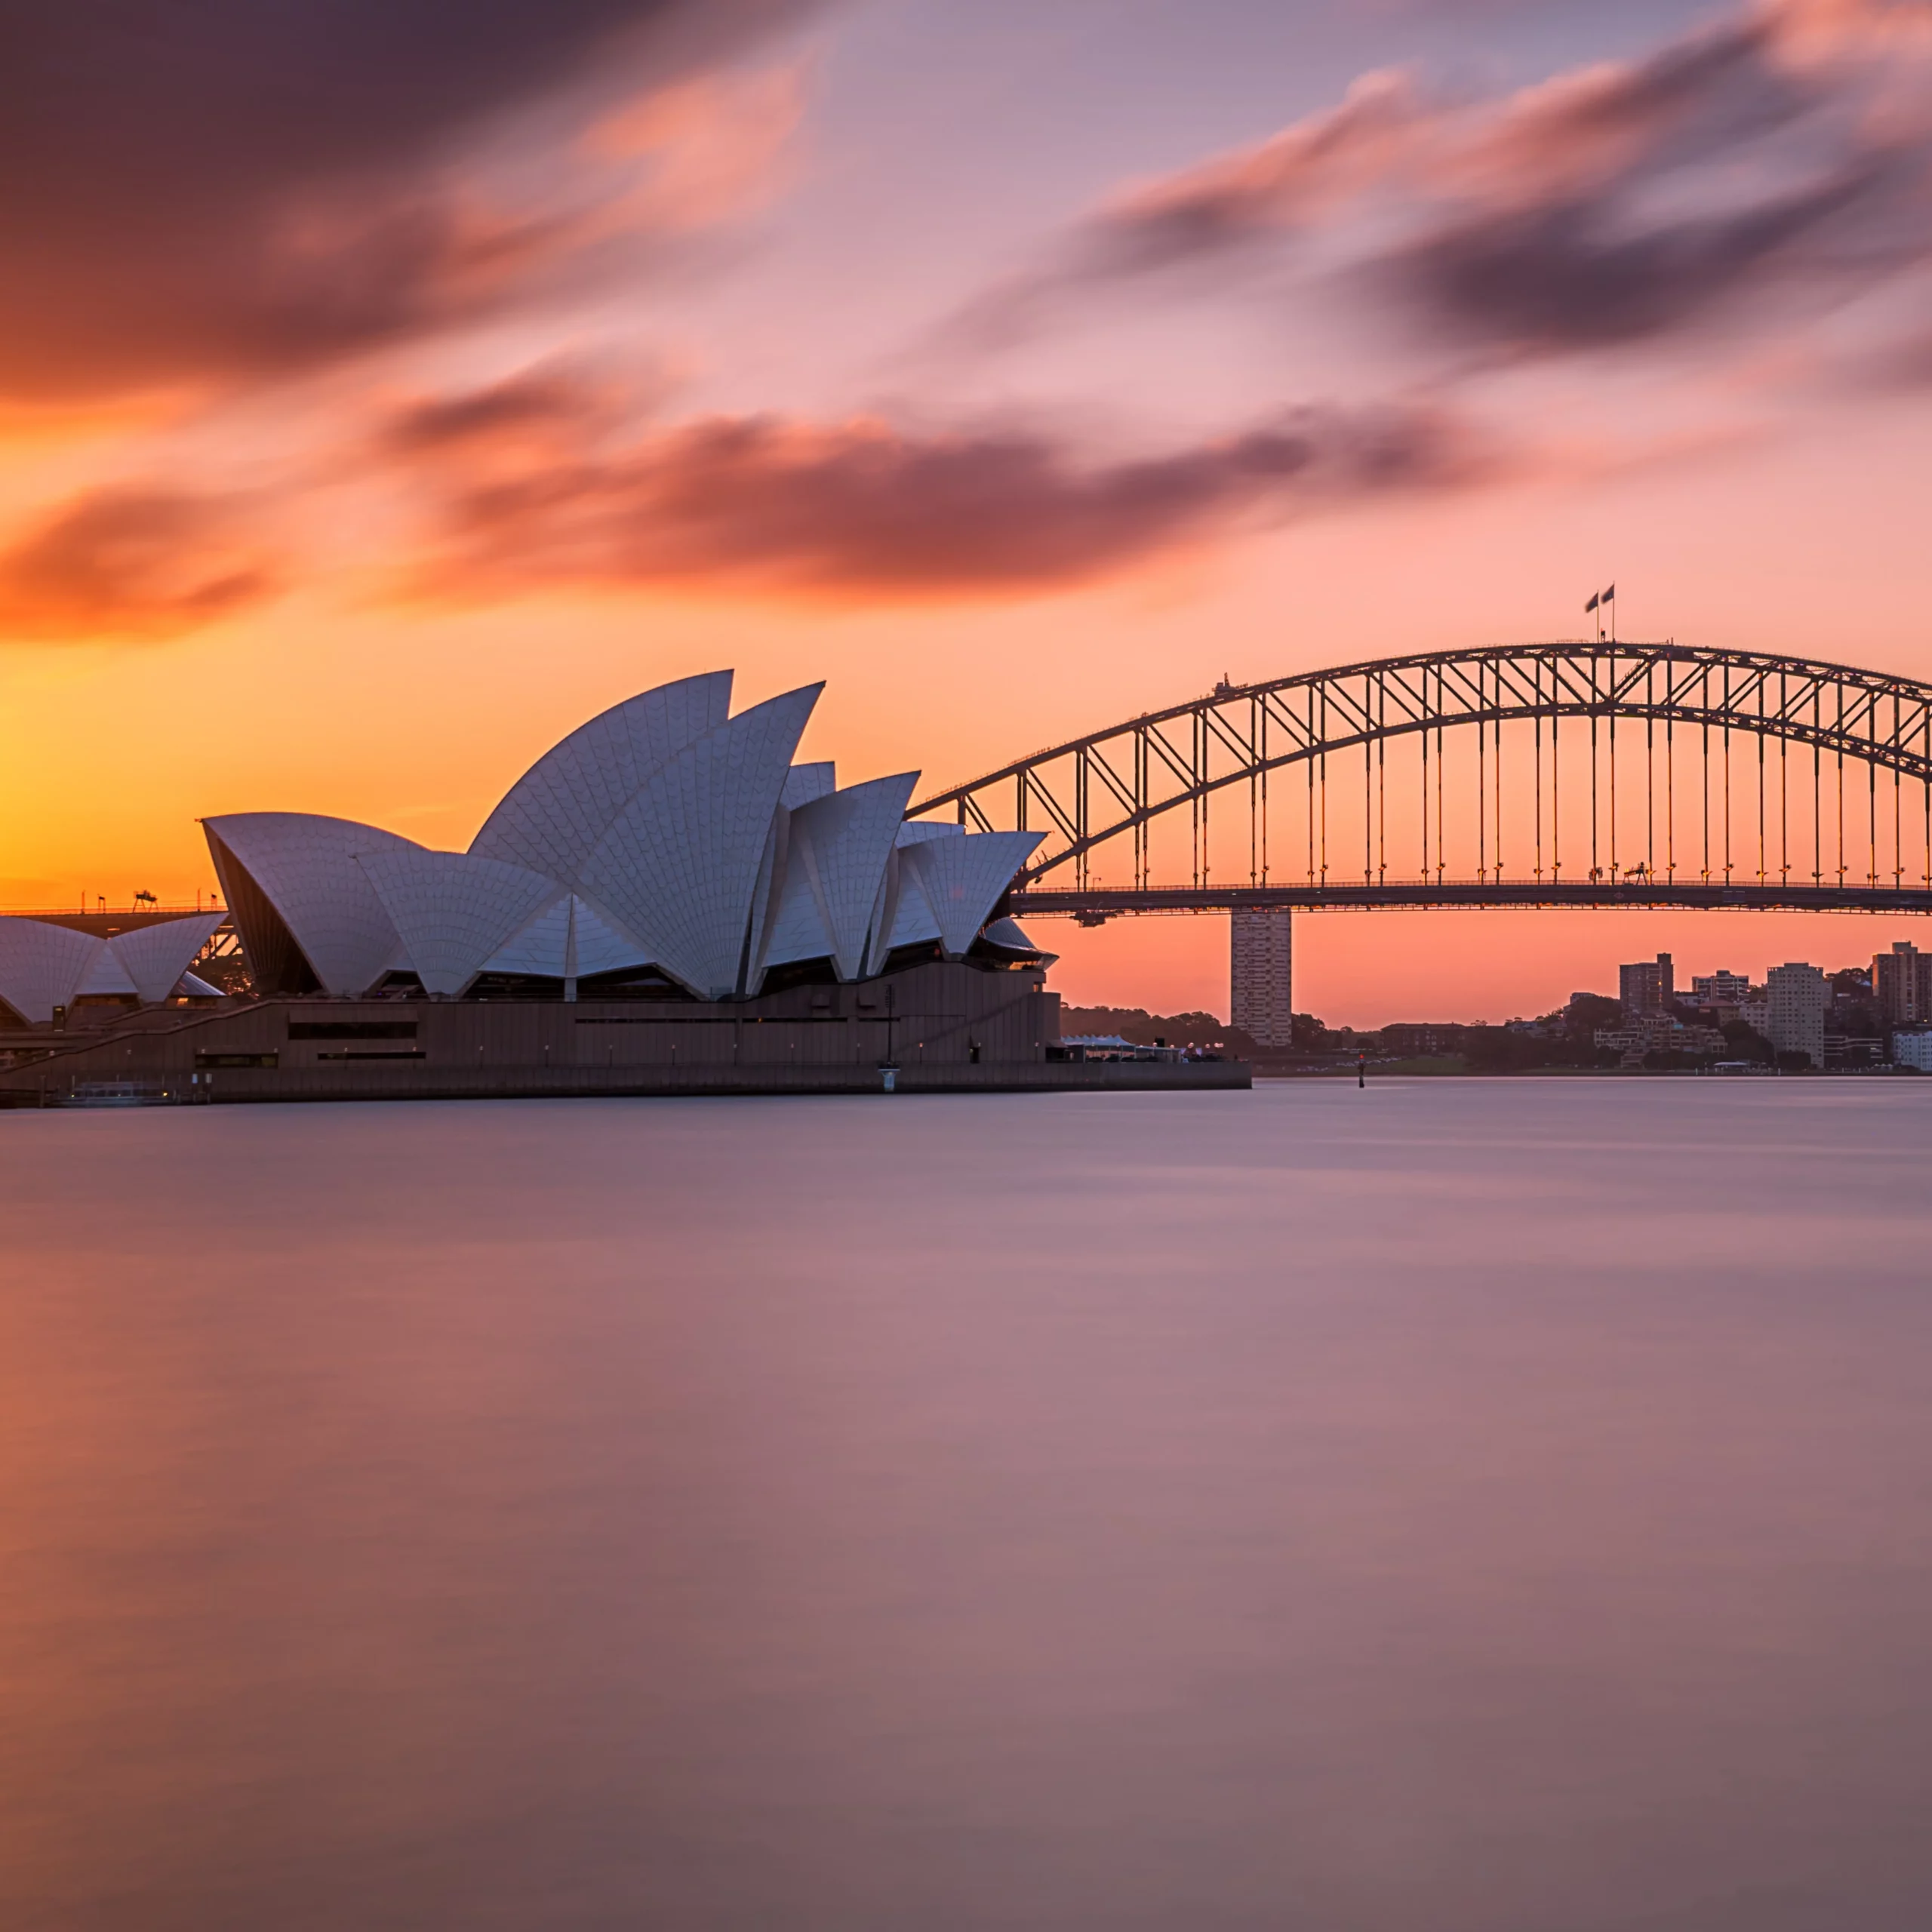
x=1563, y=1038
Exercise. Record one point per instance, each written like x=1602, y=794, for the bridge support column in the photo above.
x=1261, y=975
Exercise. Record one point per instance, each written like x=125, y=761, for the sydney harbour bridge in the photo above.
x=1595, y=773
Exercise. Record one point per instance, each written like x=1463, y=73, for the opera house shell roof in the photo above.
x=666, y=848
x=44, y=965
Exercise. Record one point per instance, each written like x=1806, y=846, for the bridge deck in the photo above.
x=105, y=924
x=1758, y=895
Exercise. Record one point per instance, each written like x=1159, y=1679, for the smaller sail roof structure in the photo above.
x=157, y=956
x=909, y=919
x=835, y=864
x=566, y=940
x=798, y=929
x=454, y=910
x=304, y=871
x=1010, y=936
x=962, y=878
x=105, y=977
x=42, y=966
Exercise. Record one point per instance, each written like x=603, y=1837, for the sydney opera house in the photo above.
x=667, y=849
x=666, y=901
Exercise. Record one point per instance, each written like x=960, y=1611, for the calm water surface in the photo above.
x=1457, y=1507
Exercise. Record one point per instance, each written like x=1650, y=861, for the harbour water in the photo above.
x=1457, y=1506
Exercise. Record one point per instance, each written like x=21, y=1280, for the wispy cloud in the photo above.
x=535, y=414
x=1780, y=160
x=562, y=479
x=859, y=509
x=142, y=564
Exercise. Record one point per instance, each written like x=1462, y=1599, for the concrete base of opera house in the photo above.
x=942, y=1028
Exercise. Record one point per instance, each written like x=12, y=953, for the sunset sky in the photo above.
x=387, y=386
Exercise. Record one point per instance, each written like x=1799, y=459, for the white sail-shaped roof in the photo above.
x=41, y=966
x=1010, y=936
x=156, y=956
x=798, y=930
x=679, y=866
x=839, y=846
x=566, y=941
x=453, y=909
x=909, y=919
x=598, y=944
x=192, y=985
x=906, y=918
x=306, y=867
x=105, y=977
x=551, y=820
x=663, y=833
x=765, y=893
x=804, y=782
x=541, y=949
x=963, y=877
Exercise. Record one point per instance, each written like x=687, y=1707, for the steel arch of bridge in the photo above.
x=1115, y=785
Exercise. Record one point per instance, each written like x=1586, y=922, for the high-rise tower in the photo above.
x=1261, y=981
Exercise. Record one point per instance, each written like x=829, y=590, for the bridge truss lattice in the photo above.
x=1561, y=773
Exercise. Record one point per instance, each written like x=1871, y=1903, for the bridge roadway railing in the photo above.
x=1090, y=905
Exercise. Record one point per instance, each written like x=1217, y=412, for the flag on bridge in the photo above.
x=1610, y=595
x=1592, y=605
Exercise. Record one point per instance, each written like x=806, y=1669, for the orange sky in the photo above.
x=724, y=352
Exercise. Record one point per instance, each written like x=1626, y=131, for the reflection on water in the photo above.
x=1454, y=1507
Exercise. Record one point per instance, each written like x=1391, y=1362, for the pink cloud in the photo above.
x=147, y=564
x=858, y=508
x=1776, y=162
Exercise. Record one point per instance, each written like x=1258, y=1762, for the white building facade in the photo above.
x=1795, y=997
x=1912, y=1047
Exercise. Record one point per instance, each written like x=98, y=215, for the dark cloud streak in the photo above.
x=536, y=404
x=1562, y=277
x=1781, y=158
x=859, y=510
x=221, y=187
